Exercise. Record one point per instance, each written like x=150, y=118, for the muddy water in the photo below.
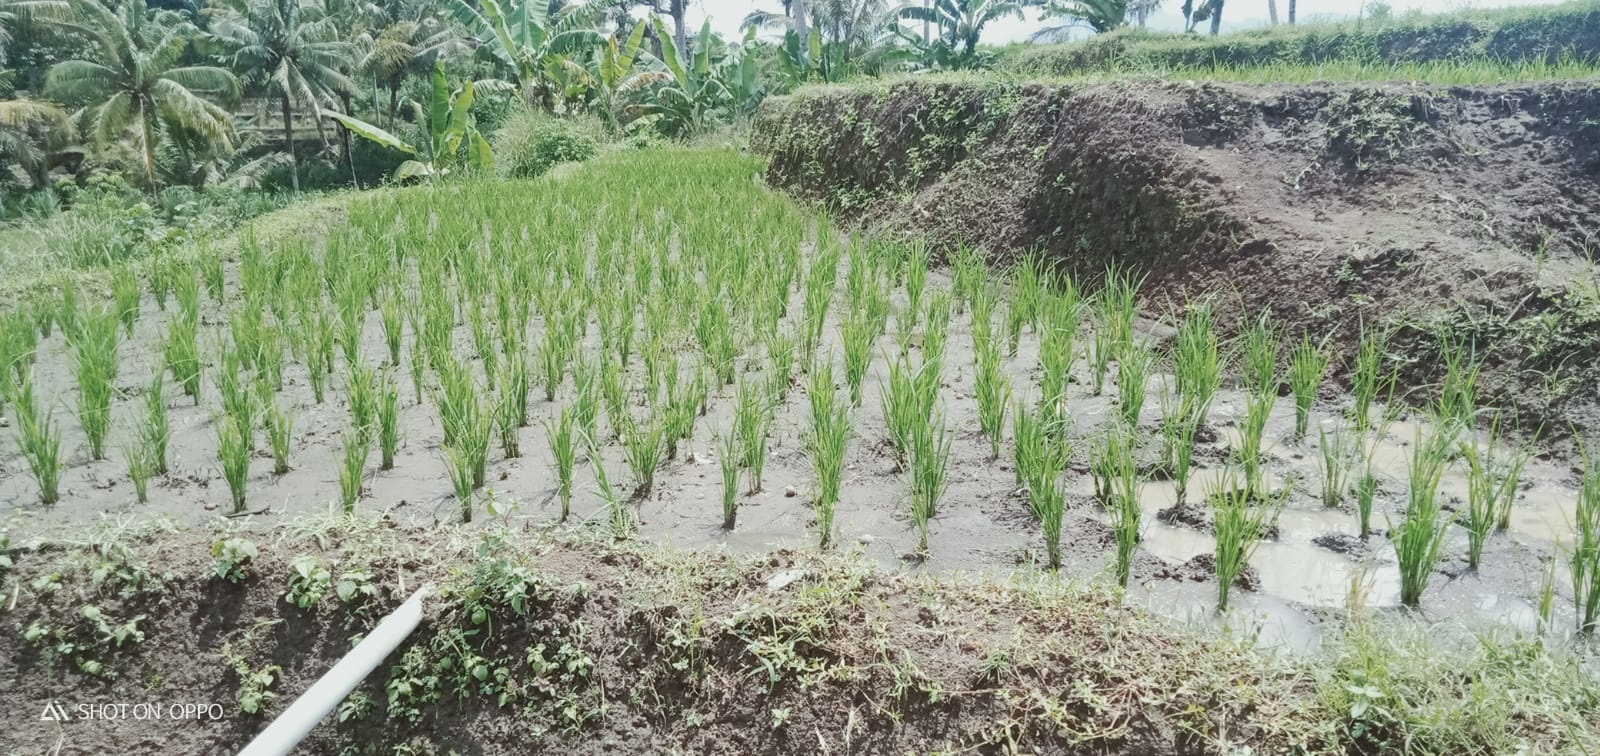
x=983, y=526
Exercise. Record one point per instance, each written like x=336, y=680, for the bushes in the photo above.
x=1535, y=34
x=531, y=143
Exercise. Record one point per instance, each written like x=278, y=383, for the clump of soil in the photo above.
x=1344, y=543
x=1453, y=214
x=1203, y=567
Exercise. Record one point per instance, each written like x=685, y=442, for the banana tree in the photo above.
x=684, y=103
x=612, y=76
x=536, y=47
x=448, y=124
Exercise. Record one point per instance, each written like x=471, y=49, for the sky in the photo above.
x=1239, y=14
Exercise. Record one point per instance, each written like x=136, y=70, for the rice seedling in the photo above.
x=465, y=419
x=858, y=336
x=40, y=439
x=388, y=421
x=393, y=325
x=182, y=353
x=1133, y=376
x=929, y=470
x=1368, y=381
x=1252, y=439
x=907, y=402
x=1585, y=562
x=1027, y=288
x=1239, y=528
x=586, y=411
x=821, y=281
x=1057, y=351
x=1116, y=463
x=141, y=466
x=1258, y=361
x=715, y=332
x=728, y=459
x=125, y=293
x=511, y=410
x=564, y=450
x=1308, y=365
x=211, y=270
x=825, y=444
x=1493, y=476
x=419, y=369
x=459, y=466
x=1418, y=537
x=614, y=391
x=968, y=275
x=279, y=424
x=993, y=392
x=554, y=352
x=357, y=445
x=270, y=358
x=483, y=346
x=155, y=428
x=1197, y=361
x=94, y=365
x=752, y=422
x=1334, y=452
x=1104, y=343
x=780, y=367
x=361, y=393
x=644, y=447
x=233, y=451
x=1180, y=425
x=67, y=309
x=1458, y=392
x=621, y=517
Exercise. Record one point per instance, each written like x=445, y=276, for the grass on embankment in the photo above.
x=567, y=639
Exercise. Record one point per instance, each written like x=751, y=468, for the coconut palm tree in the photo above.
x=28, y=131
x=134, y=85
x=20, y=14
x=291, y=50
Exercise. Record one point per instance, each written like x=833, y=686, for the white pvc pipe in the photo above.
x=296, y=722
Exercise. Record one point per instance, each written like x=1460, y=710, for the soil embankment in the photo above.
x=1455, y=215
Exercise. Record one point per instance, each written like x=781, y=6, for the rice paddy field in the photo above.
x=656, y=349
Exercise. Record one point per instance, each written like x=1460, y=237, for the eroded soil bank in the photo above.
x=541, y=644
x=1452, y=214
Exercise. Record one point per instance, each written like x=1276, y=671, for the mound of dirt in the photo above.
x=1465, y=216
x=533, y=644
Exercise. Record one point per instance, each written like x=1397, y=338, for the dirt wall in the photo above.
x=1451, y=214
